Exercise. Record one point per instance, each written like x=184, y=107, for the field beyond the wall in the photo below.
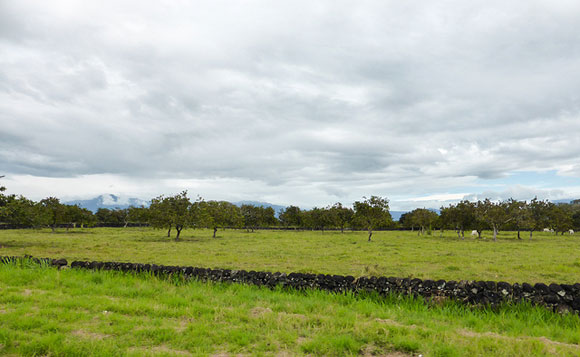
x=545, y=258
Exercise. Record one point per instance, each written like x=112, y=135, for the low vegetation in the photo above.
x=44, y=311
x=546, y=258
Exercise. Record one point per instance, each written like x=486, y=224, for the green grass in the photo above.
x=44, y=311
x=546, y=258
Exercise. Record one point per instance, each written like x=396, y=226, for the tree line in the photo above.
x=173, y=213
x=176, y=212
x=513, y=215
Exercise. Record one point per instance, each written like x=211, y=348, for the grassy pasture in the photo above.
x=546, y=258
x=44, y=311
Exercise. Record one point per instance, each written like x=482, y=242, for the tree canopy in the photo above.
x=372, y=212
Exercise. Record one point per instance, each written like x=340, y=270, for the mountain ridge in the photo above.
x=109, y=201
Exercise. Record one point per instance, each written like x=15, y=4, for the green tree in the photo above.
x=539, y=217
x=159, y=216
x=493, y=214
x=18, y=211
x=171, y=212
x=54, y=211
x=318, y=218
x=519, y=213
x=372, y=213
x=251, y=216
x=459, y=217
x=341, y=216
x=257, y=216
x=423, y=218
x=73, y=215
x=560, y=218
x=220, y=214
x=267, y=217
x=576, y=220
x=103, y=215
x=406, y=221
x=87, y=218
x=138, y=215
x=479, y=213
x=291, y=216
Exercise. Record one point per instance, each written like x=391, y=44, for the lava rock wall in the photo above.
x=558, y=297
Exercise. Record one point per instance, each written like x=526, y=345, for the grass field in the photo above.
x=546, y=258
x=44, y=311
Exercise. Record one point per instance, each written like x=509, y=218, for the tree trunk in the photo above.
x=519, y=233
x=53, y=228
x=479, y=234
x=214, y=231
x=169, y=232
x=531, y=234
x=341, y=229
x=494, y=233
x=370, y=234
x=178, y=229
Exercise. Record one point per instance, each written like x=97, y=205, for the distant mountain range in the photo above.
x=109, y=201
x=396, y=214
x=276, y=208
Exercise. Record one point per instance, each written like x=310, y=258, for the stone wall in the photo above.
x=558, y=297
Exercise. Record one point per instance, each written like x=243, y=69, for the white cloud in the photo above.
x=295, y=102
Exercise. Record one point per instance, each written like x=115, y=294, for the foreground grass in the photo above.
x=546, y=258
x=44, y=311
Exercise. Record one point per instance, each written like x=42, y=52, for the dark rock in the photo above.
x=527, y=288
x=561, y=298
x=551, y=298
x=59, y=262
x=542, y=288
x=504, y=288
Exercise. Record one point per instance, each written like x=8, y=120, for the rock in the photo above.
x=561, y=298
x=563, y=309
x=551, y=298
x=59, y=262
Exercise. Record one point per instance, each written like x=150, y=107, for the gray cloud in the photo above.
x=332, y=99
x=519, y=192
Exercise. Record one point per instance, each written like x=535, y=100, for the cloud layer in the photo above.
x=294, y=102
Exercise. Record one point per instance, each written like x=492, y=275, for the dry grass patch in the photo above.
x=544, y=340
x=259, y=311
x=89, y=335
x=394, y=323
x=371, y=350
x=290, y=315
x=159, y=350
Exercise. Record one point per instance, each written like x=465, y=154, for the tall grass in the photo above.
x=44, y=311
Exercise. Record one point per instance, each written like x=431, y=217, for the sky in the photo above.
x=291, y=102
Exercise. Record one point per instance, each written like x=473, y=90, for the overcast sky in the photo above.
x=291, y=102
